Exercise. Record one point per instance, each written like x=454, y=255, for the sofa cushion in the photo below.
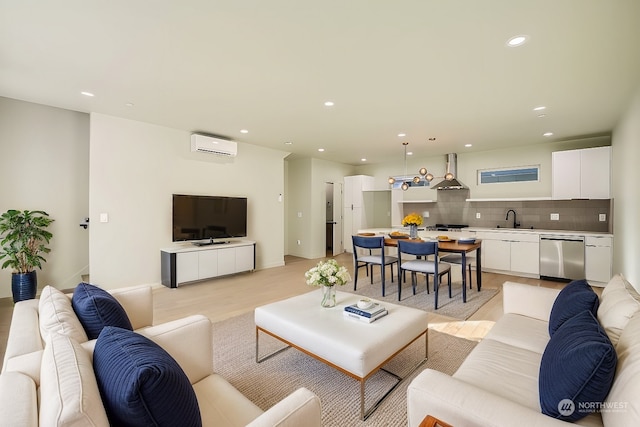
x=97, y=308
x=622, y=401
x=140, y=383
x=504, y=370
x=577, y=367
x=68, y=386
x=577, y=296
x=618, y=303
x=56, y=315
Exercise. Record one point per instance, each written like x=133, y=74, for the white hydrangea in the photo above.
x=327, y=273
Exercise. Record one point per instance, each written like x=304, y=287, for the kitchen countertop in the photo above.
x=472, y=230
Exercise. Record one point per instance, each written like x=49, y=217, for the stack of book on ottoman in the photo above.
x=365, y=311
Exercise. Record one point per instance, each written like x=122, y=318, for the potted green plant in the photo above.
x=24, y=239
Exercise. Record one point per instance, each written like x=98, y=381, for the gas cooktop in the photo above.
x=448, y=227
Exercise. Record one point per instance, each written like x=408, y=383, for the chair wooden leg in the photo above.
x=436, y=285
x=382, y=275
x=449, y=283
x=470, y=282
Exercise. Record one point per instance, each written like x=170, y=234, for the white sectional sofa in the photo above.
x=498, y=383
x=51, y=381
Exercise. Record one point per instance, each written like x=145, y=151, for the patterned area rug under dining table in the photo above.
x=451, y=307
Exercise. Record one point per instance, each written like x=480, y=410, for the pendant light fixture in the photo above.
x=416, y=179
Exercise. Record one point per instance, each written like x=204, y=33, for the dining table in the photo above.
x=453, y=246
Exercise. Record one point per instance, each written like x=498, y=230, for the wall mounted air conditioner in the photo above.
x=209, y=144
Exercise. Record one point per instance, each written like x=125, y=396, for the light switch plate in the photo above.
x=555, y=217
x=104, y=217
x=602, y=217
x=478, y=216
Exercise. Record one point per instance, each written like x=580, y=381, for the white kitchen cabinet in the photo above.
x=581, y=174
x=496, y=254
x=598, y=258
x=516, y=253
x=183, y=264
x=354, y=215
x=525, y=257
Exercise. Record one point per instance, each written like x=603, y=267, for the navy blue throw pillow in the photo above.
x=576, y=297
x=577, y=369
x=97, y=308
x=140, y=383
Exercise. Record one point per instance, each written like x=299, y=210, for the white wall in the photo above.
x=135, y=168
x=306, y=191
x=44, y=154
x=626, y=194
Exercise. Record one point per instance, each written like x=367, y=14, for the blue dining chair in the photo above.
x=373, y=257
x=422, y=250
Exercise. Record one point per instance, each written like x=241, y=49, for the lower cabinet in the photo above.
x=188, y=264
x=517, y=253
x=597, y=258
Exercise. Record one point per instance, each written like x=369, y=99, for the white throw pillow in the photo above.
x=68, y=387
x=56, y=314
x=618, y=303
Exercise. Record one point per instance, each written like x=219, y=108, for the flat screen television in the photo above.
x=208, y=217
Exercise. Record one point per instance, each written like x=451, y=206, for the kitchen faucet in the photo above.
x=515, y=224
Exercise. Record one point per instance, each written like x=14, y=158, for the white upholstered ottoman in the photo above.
x=355, y=348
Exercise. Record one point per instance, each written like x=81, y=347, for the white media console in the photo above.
x=189, y=263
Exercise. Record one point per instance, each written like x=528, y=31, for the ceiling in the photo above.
x=427, y=68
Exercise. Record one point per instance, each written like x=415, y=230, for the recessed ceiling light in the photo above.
x=321, y=149
x=129, y=104
x=547, y=134
x=402, y=135
x=516, y=41
x=244, y=131
x=87, y=94
x=542, y=115
x=409, y=153
x=329, y=104
x=288, y=143
x=468, y=145
x=540, y=108
x=363, y=159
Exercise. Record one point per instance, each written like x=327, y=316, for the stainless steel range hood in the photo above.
x=452, y=168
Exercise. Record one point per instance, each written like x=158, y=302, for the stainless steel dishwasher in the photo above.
x=561, y=257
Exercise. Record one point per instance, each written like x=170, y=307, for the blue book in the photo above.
x=365, y=312
x=364, y=319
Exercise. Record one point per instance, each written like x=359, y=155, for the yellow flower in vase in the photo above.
x=413, y=220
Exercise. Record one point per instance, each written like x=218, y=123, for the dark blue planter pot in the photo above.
x=24, y=286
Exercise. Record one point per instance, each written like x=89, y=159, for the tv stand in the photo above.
x=190, y=263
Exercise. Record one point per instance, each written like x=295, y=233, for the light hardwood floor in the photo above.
x=230, y=296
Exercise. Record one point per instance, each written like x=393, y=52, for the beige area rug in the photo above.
x=452, y=307
x=272, y=380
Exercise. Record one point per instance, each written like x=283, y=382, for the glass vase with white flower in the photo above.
x=327, y=275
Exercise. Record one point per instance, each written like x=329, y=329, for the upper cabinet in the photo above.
x=582, y=174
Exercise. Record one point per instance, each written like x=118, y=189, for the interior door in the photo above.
x=338, y=245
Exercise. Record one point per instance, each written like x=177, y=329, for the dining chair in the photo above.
x=374, y=257
x=457, y=259
x=422, y=264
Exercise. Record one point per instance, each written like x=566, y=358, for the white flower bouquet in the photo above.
x=327, y=273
